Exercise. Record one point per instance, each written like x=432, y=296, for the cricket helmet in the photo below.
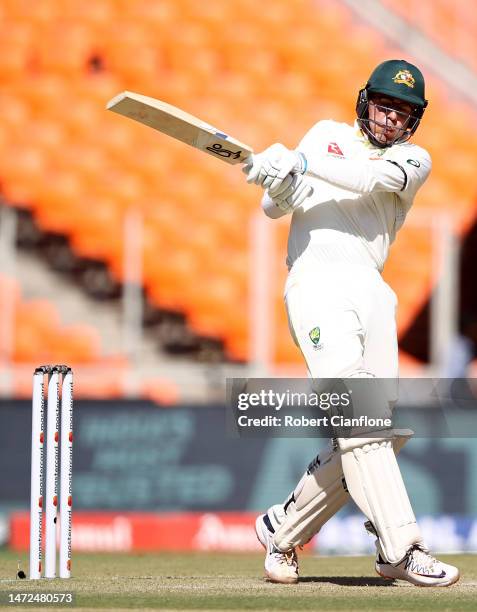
x=396, y=79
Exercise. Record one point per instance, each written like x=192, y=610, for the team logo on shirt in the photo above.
x=334, y=149
x=378, y=154
x=404, y=77
x=315, y=335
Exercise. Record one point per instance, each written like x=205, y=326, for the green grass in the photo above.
x=235, y=582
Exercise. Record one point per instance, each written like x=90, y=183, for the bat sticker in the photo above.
x=217, y=149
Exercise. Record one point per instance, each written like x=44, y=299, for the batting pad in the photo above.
x=375, y=483
x=316, y=498
x=320, y=494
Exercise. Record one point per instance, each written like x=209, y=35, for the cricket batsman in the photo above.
x=349, y=189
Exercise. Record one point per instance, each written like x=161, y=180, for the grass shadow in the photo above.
x=352, y=581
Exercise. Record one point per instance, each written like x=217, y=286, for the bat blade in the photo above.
x=180, y=125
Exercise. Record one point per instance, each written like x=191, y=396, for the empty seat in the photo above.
x=75, y=344
x=77, y=46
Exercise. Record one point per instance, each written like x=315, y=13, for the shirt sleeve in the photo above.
x=402, y=169
x=415, y=165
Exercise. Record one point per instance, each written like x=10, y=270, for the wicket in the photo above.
x=60, y=384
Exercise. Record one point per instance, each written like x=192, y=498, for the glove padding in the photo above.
x=270, y=168
x=290, y=193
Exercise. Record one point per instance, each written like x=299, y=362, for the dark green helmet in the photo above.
x=397, y=79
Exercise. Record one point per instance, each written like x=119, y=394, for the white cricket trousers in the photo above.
x=343, y=319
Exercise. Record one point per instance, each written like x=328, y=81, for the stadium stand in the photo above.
x=39, y=334
x=451, y=25
x=77, y=169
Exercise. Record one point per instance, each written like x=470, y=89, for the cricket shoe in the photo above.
x=279, y=566
x=420, y=568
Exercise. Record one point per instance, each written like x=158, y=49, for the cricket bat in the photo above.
x=180, y=125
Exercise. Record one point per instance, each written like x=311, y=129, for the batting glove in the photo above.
x=290, y=193
x=270, y=168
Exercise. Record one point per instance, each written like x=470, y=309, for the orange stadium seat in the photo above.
x=148, y=11
x=42, y=94
x=15, y=113
x=38, y=334
x=96, y=87
x=34, y=322
x=166, y=280
x=96, y=230
x=93, y=14
x=47, y=136
x=75, y=41
x=56, y=200
x=22, y=174
x=16, y=37
x=134, y=76
x=83, y=160
x=222, y=309
x=37, y=13
x=77, y=343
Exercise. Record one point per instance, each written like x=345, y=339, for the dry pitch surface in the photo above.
x=234, y=582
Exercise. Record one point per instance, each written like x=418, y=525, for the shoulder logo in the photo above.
x=414, y=162
x=315, y=335
x=334, y=149
x=404, y=77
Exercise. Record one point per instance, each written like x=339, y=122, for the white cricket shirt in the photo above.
x=361, y=197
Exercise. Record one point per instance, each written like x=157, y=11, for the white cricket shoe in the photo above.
x=279, y=567
x=420, y=568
